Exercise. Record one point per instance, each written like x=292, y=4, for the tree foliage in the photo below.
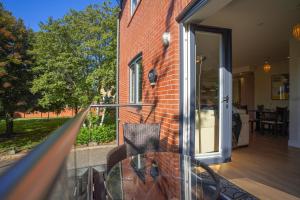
x=75, y=57
x=15, y=67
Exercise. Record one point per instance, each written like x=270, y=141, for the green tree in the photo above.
x=76, y=57
x=15, y=67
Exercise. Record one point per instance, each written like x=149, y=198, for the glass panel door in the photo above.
x=212, y=92
x=208, y=59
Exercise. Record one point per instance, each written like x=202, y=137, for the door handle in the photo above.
x=225, y=99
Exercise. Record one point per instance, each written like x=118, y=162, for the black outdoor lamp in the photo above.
x=152, y=76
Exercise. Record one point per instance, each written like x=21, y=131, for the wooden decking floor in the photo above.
x=268, y=161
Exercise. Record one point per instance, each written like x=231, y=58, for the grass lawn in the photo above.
x=28, y=133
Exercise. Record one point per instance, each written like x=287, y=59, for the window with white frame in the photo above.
x=133, y=4
x=136, y=80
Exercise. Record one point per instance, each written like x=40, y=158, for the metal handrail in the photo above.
x=33, y=176
x=119, y=105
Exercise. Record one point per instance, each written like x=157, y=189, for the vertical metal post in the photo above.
x=117, y=80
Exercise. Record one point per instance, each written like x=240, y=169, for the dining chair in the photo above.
x=244, y=107
x=259, y=110
x=271, y=120
x=283, y=117
x=236, y=128
x=256, y=120
x=140, y=138
x=260, y=107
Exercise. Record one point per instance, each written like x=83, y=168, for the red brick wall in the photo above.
x=36, y=114
x=142, y=32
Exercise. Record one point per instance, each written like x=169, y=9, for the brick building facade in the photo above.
x=141, y=33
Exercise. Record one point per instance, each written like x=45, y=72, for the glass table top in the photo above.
x=161, y=175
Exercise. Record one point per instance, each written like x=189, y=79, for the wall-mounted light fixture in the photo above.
x=166, y=38
x=152, y=76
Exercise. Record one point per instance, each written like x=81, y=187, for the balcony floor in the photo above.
x=267, y=163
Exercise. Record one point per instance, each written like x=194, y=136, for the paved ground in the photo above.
x=79, y=158
x=8, y=160
x=88, y=156
x=5, y=164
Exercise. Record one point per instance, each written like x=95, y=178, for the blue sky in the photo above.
x=35, y=11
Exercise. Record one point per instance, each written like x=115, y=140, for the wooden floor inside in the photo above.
x=267, y=160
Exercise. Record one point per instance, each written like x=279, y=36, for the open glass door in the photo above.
x=211, y=94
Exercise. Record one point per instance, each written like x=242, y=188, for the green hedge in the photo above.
x=92, y=131
x=99, y=134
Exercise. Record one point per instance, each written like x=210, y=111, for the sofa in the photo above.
x=242, y=137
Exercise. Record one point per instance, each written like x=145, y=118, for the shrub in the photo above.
x=92, y=120
x=103, y=134
x=110, y=116
x=99, y=134
x=84, y=136
x=92, y=131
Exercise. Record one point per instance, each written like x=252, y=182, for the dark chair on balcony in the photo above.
x=99, y=192
x=115, y=155
x=140, y=138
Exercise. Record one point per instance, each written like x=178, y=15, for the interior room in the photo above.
x=262, y=34
x=265, y=91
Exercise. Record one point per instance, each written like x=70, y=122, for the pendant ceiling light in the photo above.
x=266, y=67
x=296, y=31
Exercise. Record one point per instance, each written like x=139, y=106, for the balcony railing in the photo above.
x=47, y=173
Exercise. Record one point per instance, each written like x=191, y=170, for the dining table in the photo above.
x=258, y=114
x=162, y=175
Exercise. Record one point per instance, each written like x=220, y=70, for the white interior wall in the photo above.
x=262, y=84
x=294, y=137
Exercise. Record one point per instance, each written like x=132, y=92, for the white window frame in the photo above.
x=137, y=65
x=133, y=6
